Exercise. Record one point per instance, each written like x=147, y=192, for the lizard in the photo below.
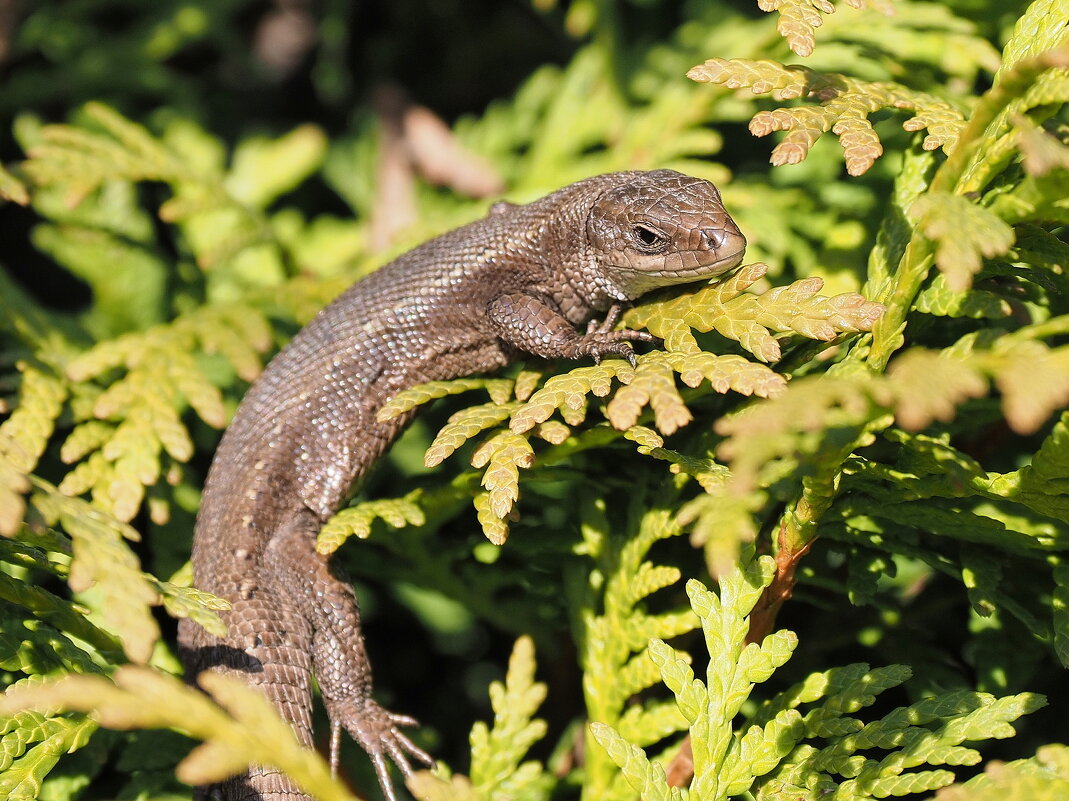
x=525, y=279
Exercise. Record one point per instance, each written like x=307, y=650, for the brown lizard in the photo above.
x=518, y=281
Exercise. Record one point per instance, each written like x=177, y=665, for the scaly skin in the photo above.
x=520, y=280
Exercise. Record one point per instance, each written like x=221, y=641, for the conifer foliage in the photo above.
x=852, y=451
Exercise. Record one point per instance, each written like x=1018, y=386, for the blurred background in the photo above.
x=538, y=92
x=305, y=141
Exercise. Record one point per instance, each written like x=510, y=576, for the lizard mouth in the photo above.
x=708, y=269
x=681, y=267
x=637, y=276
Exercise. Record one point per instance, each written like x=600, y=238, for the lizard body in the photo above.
x=470, y=301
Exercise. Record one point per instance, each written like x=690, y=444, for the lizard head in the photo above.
x=660, y=228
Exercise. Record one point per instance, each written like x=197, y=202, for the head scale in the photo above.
x=661, y=228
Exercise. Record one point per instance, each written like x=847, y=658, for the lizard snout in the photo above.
x=725, y=240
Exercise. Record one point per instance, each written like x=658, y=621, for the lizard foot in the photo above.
x=376, y=731
x=598, y=344
x=600, y=338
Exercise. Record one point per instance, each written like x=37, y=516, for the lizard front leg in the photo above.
x=532, y=323
x=340, y=662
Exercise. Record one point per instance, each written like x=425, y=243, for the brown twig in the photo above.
x=763, y=616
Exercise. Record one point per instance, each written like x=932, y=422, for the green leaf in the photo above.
x=653, y=384
x=238, y=725
x=758, y=663
x=567, y=392
x=102, y=561
x=496, y=772
x=963, y=233
x=22, y=768
x=751, y=319
x=939, y=299
x=844, y=108
x=464, y=425
x=651, y=723
x=647, y=779
x=24, y=435
x=263, y=168
x=197, y=605
x=502, y=456
x=763, y=748
x=1044, y=777
x=64, y=615
x=82, y=159
x=622, y=645
x=493, y=525
x=11, y=188
x=128, y=280
x=1060, y=604
x=357, y=520
x=1035, y=31
x=679, y=678
x=1042, y=485
x=406, y=400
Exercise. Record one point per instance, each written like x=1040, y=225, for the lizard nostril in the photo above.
x=728, y=238
x=715, y=237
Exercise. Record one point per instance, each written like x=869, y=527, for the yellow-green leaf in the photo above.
x=653, y=384
x=963, y=232
x=464, y=425
x=502, y=456
x=409, y=399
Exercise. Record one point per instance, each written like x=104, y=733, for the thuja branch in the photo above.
x=1009, y=88
x=956, y=176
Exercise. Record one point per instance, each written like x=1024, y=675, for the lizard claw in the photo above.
x=599, y=344
x=622, y=349
x=376, y=731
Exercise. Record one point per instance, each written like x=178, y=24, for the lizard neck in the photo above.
x=575, y=277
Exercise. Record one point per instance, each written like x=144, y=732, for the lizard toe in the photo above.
x=599, y=345
x=402, y=720
x=376, y=731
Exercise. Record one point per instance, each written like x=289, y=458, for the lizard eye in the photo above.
x=648, y=239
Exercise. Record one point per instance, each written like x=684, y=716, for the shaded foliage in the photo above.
x=870, y=415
